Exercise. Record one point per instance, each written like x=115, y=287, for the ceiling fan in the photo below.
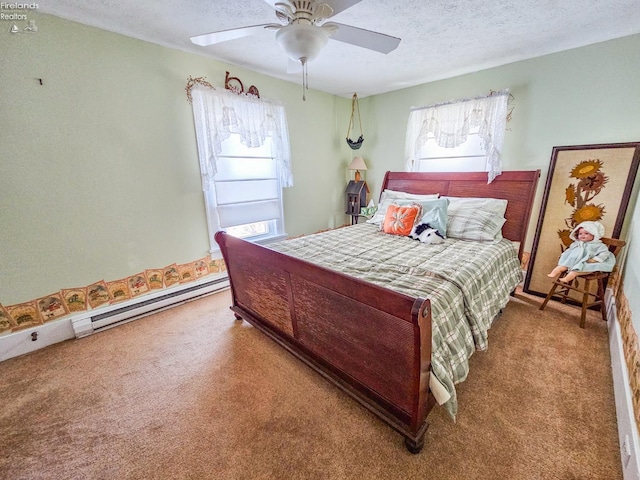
x=303, y=30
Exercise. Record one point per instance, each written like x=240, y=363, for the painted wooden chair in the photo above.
x=583, y=285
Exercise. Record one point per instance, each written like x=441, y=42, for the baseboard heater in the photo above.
x=112, y=315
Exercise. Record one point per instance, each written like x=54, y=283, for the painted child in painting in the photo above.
x=586, y=254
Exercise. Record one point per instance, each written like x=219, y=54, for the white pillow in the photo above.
x=404, y=195
x=493, y=205
x=378, y=217
x=390, y=196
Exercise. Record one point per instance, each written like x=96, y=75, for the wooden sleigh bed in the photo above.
x=373, y=342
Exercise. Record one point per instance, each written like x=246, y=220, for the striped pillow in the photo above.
x=471, y=224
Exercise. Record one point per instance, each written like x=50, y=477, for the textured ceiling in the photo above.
x=440, y=38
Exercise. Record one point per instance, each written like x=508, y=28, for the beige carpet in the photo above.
x=190, y=393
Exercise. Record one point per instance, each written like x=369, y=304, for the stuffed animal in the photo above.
x=426, y=234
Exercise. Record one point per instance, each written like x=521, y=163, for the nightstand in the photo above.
x=356, y=198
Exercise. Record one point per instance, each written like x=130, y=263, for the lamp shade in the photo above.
x=357, y=164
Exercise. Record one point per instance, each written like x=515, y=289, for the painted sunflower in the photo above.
x=589, y=212
x=586, y=168
x=564, y=237
x=570, y=195
x=593, y=183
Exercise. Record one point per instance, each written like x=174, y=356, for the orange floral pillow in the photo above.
x=399, y=220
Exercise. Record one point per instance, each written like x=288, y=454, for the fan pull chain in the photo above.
x=305, y=78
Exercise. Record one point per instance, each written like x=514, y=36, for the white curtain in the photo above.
x=219, y=113
x=450, y=123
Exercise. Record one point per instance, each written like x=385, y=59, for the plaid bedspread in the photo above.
x=468, y=284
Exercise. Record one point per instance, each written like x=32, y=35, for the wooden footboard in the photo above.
x=373, y=343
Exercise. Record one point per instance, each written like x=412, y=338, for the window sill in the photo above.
x=259, y=241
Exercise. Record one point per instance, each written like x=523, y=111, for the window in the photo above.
x=246, y=197
x=461, y=135
x=243, y=149
x=468, y=157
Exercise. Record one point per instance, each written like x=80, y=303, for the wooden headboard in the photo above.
x=517, y=187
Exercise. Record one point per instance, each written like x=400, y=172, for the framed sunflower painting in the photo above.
x=585, y=182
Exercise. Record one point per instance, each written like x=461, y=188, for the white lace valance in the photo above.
x=219, y=113
x=451, y=122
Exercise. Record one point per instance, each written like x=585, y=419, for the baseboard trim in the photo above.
x=34, y=338
x=627, y=427
x=81, y=324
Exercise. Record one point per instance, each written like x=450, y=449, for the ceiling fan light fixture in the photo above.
x=302, y=41
x=303, y=31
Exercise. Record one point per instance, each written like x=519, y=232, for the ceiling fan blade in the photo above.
x=231, y=34
x=341, y=5
x=378, y=42
x=272, y=3
x=337, y=5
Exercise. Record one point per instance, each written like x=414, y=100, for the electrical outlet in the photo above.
x=626, y=451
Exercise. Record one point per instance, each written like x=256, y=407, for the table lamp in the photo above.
x=357, y=164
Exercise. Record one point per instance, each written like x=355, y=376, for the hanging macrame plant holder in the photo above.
x=355, y=145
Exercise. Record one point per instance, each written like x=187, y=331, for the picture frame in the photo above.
x=585, y=182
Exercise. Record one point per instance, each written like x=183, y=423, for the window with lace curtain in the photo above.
x=462, y=135
x=246, y=198
x=243, y=148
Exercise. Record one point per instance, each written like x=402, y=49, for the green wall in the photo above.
x=99, y=173
x=583, y=96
